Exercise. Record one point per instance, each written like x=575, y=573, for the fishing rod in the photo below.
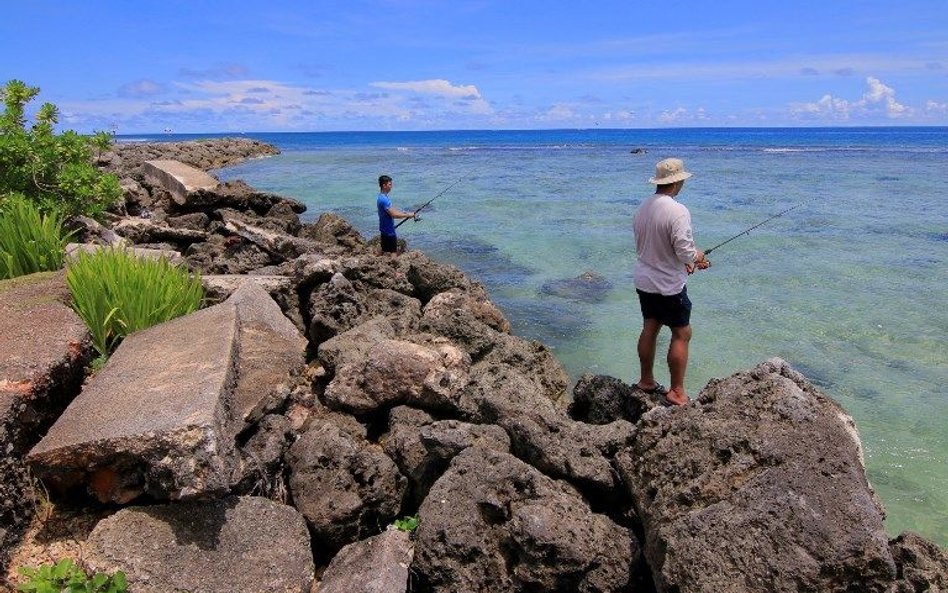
x=778, y=215
x=441, y=193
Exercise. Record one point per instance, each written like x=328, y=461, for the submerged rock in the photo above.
x=588, y=287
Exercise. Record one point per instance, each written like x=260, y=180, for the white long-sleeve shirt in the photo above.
x=664, y=244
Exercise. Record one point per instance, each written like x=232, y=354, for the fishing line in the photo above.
x=441, y=193
x=778, y=215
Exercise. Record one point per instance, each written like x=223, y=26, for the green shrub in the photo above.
x=30, y=241
x=54, y=171
x=117, y=293
x=66, y=577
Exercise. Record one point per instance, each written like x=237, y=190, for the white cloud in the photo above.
x=879, y=99
x=936, y=108
x=141, y=88
x=437, y=86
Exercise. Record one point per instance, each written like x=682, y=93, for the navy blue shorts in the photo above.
x=673, y=311
x=389, y=243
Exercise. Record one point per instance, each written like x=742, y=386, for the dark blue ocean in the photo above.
x=849, y=287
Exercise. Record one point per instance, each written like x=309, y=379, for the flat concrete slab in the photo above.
x=44, y=351
x=270, y=352
x=44, y=347
x=172, y=256
x=176, y=177
x=156, y=419
x=221, y=286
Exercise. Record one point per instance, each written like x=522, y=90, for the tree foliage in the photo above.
x=55, y=171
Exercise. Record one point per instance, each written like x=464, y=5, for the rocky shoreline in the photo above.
x=269, y=441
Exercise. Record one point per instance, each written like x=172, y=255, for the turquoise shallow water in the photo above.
x=849, y=288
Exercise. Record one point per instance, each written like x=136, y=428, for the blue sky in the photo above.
x=208, y=66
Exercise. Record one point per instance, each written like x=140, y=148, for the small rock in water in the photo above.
x=588, y=287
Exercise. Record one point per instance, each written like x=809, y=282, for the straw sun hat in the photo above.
x=669, y=171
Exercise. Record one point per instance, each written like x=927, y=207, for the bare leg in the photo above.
x=647, y=341
x=678, y=363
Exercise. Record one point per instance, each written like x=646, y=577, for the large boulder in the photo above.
x=493, y=523
x=423, y=447
x=246, y=544
x=378, y=564
x=334, y=234
x=347, y=488
x=758, y=485
x=396, y=372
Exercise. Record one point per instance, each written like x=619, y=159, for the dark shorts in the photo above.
x=389, y=243
x=673, y=311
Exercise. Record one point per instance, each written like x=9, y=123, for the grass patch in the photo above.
x=117, y=293
x=30, y=241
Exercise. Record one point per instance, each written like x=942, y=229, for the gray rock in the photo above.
x=474, y=325
x=430, y=277
x=156, y=419
x=278, y=244
x=921, y=565
x=423, y=448
x=334, y=234
x=334, y=307
x=761, y=477
x=346, y=488
x=142, y=231
x=535, y=361
x=600, y=399
x=378, y=564
x=397, y=372
x=218, y=287
x=493, y=523
x=227, y=255
x=245, y=544
x=352, y=346
x=261, y=458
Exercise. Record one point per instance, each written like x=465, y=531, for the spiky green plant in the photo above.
x=117, y=293
x=30, y=241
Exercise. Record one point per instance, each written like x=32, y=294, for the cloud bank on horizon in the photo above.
x=478, y=64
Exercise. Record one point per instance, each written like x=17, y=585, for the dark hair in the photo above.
x=383, y=179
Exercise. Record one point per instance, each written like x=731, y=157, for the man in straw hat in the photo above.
x=666, y=256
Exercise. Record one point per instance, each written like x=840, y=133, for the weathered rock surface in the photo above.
x=156, y=419
x=921, y=565
x=378, y=564
x=599, y=399
x=423, y=447
x=759, y=485
x=270, y=353
x=44, y=349
x=493, y=523
x=397, y=372
x=125, y=158
x=334, y=234
x=245, y=544
x=347, y=488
